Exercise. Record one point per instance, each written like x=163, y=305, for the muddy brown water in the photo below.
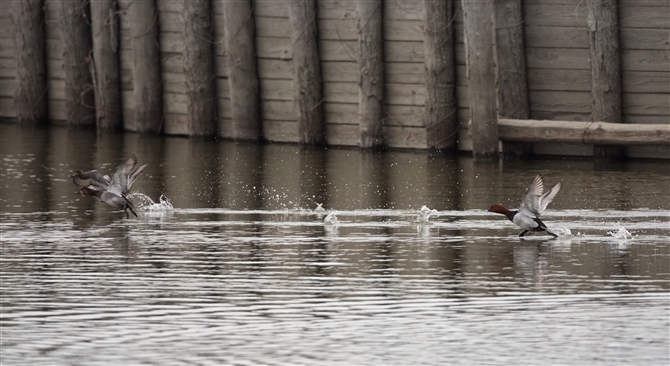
x=277, y=255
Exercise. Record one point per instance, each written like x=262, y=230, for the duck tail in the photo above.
x=130, y=206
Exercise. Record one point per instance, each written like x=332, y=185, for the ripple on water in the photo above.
x=261, y=287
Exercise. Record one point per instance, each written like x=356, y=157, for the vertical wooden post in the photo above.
x=512, y=82
x=199, y=68
x=371, y=74
x=77, y=47
x=104, y=20
x=30, y=95
x=605, y=68
x=438, y=34
x=479, y=46
x=146, y=66
x=242, y=73
x=307, y=71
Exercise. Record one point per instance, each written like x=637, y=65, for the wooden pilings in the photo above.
x=605, y=67
x=307, y=81
x=30, y=95
x=371, y=74
x=512, y=82
x=146, y=67
x=199, y=68
x=104, y=21
x=479, y=45
x=440, y=109
x=242, y=72
x=77, y=52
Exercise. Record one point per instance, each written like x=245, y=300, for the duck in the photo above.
x=111, y=191
x=533, y=204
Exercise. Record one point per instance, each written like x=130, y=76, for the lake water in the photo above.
x=276, y=255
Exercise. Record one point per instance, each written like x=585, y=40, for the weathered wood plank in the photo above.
x=7, y=68
x=633, y=14
x=559, y=115
x=8, y=87
x=281, y=131
x=277, y=89
x=175, y=124
x=559, y=79
x=279, y=110
x=276, y=69
x=645, y=60
x=560, y=101
x=550, y=58
x=7, y=107
x=646, y=119
x=603, y=133
x=646, y=104
x=394, y=137
x=340, y=113
x=556, y=37
x=271, y=9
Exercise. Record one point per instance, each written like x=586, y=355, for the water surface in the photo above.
x=278, y=255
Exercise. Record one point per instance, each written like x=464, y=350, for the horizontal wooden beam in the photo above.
x=602, y=133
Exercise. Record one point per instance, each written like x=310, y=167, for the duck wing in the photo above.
x=133, y=176
x=119, y=183
x=91, y=178
x=546, y=198
x=530, y=203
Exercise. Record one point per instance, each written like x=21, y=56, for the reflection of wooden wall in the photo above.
x=557, y=59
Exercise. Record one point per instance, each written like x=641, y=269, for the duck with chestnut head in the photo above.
x=534, y=202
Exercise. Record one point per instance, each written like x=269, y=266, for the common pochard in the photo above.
x=534, y=202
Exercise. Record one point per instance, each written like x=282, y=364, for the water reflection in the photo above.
x=245, y=268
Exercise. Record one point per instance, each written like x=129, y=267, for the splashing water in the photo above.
x=561, y=231
x=331, y=219
x=621, y=233
x=424, y=214
x=145, y=203
x=319, y=208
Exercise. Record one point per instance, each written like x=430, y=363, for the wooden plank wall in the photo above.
x=557, y=58
x=557, y=61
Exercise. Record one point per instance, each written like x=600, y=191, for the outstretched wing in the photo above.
x=531, y=198
x=134, y=175
x=91, y=178
x=546, y=198
x=119, y=183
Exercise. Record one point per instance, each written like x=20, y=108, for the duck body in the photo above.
x=111, y=191
x=533, y=204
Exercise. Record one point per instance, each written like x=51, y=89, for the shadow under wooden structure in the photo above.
x=383, y=73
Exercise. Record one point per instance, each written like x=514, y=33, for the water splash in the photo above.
x=562, y=232
x=332, y=219
x=424, y=214
x=621, y=233
x=145, y=204
x=319, y=208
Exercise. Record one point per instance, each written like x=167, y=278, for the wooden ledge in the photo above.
x=601, y=133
